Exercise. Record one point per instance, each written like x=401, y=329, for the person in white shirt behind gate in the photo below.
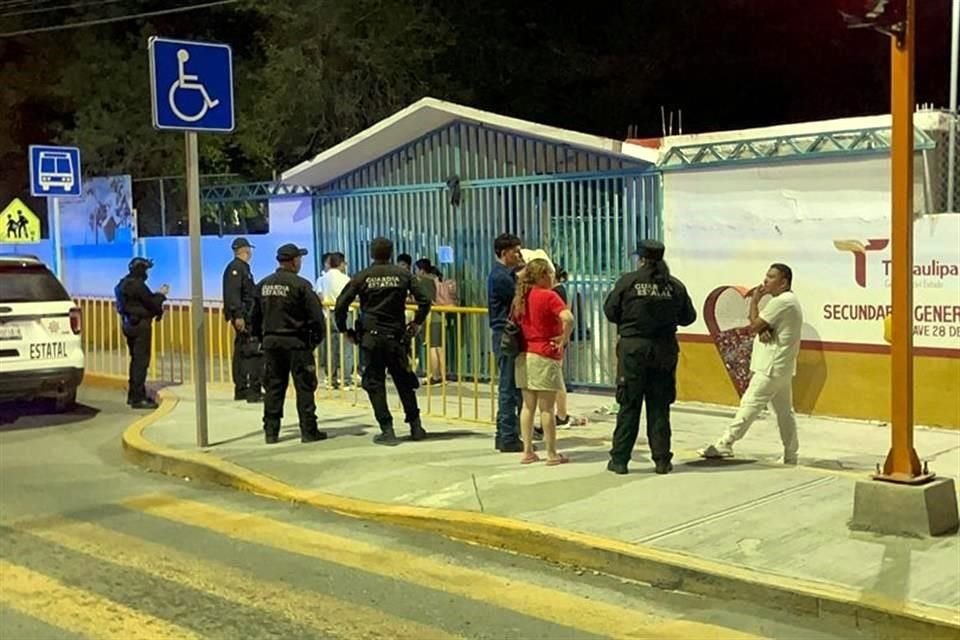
x=773, y=363
x=329, y=286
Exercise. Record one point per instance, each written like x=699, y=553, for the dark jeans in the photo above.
x=247, y=365
x=509, y=398
x=138, y=342
x=281, y=365
x=646, y=374
x=382, y=354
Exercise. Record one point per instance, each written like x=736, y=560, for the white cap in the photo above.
x=536, y=254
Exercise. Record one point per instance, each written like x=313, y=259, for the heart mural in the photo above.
x=726, y=313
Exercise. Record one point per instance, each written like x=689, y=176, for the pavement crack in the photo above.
x=476, y=491
x=738, y=508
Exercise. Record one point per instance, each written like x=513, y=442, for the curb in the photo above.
x=666, y=569
x=104, y=381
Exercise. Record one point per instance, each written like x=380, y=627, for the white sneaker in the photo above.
x=719, y=450
x=790, y=461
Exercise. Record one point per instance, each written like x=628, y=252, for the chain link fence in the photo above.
x=935, y=167
x=161, y=205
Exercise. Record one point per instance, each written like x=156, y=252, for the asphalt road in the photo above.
x=91, y=547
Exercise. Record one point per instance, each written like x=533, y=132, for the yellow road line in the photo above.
x=79, y=611
x=525, y=598
x=314, y=610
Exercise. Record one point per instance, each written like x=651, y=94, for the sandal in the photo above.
x=530, y=459
x=570, y=421
x=560, y=459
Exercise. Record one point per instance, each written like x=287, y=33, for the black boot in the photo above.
x=417, y=432
x=386, y=437
x=313, y=435
x=664, y=467
x=514, y=446
x=619, y=468
x=271, y=437
x=146, y=403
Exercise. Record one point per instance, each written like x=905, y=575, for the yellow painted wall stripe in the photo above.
x=315, y=610
x=79, y=611
x=525, y=598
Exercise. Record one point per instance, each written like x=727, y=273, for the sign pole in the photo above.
x=191, y=90
x=902, y=463
x=57, y=238
x=952, y=204
x=198, y=320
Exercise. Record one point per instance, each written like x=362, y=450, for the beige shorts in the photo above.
x=537, y=373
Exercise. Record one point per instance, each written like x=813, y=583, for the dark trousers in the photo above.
x=382, y=354
x=509, y=398
x=646, y=375
x=281, y=365
x=247, y=365
x=138, y=342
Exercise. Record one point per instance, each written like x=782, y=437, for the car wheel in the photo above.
x=66, y=401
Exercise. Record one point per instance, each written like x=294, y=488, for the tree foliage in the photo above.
x=310, y=73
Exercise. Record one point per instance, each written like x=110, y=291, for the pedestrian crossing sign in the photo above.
x=18, y=224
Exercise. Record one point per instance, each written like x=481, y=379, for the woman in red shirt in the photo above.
x=546, y=324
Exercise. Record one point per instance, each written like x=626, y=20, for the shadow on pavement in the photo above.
x=15, y=416
x=454, y=434
x=715, y=464
x=253, y=434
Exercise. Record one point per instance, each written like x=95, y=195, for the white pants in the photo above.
x=777, y=392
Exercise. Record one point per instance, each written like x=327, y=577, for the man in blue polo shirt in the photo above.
x=501, y=286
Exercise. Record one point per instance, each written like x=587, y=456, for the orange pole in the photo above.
x=902, y=462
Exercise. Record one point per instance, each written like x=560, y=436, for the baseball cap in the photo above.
x=650, y=249
x=536, y=254
x=289, y=252
x=240, y=243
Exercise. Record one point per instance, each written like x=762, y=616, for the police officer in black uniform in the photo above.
x=384, y=335
x=138, y=306
x=289, y=320
x=239, y=296
x=647, y=305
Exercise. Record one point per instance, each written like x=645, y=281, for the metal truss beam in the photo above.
x=786, y=148
x=252, y=191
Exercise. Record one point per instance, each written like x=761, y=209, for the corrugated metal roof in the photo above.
x=430, y=114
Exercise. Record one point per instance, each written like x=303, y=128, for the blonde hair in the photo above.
x=532, y=273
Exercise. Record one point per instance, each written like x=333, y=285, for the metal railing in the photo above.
x=464, y=387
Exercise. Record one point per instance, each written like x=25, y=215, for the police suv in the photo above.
x=41, y=355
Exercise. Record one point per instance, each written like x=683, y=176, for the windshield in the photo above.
x=32, y=283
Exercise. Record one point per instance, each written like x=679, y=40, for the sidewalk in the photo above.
x=747, y=513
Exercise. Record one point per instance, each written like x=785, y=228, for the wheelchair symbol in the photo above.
x=188, y=82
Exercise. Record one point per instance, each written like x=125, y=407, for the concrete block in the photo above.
x=905, y=510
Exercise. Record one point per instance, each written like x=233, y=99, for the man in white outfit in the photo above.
x=329, y=286
x=773, y=363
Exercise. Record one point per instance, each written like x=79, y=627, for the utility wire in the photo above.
x=76, y=5
x=132, y=16
x=16, y=4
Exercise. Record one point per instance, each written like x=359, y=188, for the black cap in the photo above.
x=240, y=243
x=289, y=251
x=651, y=250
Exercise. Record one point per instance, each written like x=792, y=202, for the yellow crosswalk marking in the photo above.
x=526, y=598
x=314, y=610
x=79, y=611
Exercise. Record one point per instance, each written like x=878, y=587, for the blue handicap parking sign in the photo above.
x=54, y=171
x=191, y=85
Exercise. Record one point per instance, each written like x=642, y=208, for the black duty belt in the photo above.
x=391, y=335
